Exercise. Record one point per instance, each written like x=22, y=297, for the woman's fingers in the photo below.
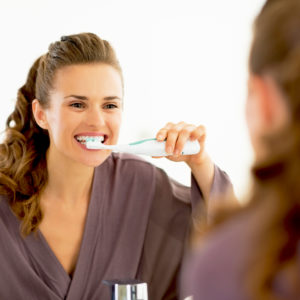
x=183, y=135
x=163, y=132
x=172, y=137
x=176, y=136
x=199, y=133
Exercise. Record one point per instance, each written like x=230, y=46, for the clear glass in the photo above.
x=127, y=289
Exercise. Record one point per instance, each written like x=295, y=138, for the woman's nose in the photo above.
x=95, y=117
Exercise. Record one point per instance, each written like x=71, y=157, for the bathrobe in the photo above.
x=217, y=269
x=136, y=227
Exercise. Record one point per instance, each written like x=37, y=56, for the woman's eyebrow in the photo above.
x=108, y=98
x=112, y=98
x=77, y=97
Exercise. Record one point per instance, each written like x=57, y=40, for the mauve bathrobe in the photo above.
x=218, y=269
x=136, y=227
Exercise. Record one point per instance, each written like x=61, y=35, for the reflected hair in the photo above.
x=23, y=166
x=274, y=202
x=275, y=51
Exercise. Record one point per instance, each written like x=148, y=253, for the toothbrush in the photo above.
x=150, y=147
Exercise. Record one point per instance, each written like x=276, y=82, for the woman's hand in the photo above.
x=176, y=136
x=201, y=165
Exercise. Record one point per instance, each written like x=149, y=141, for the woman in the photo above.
x=71, y=217
x=255, y=255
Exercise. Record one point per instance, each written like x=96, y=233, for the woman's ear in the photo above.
x=39, y=114
x=271, y=105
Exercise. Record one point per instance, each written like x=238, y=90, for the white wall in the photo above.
x=182, y=60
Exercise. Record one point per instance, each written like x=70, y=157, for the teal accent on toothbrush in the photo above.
x=151, y=147
x=142, y=141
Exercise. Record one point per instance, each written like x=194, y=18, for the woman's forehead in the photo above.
x=88, y=79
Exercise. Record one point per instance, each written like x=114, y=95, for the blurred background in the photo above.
x=182, y=61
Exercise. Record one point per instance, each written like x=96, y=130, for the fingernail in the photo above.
x=160, y=137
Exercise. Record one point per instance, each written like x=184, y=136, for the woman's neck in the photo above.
x=69, y=182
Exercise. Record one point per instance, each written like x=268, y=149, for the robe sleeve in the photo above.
x=221, y=192
x=173, y=208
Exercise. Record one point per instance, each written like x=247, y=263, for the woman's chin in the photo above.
x=95, y=161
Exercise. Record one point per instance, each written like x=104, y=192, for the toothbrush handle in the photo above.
x=191, y=148
x=155, y=148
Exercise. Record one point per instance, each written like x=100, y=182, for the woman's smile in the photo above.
x=86, y=102
x=82, y=138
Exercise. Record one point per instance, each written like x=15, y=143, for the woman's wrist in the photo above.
x=203, y=171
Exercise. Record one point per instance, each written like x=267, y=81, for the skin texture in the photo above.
x=87, y=100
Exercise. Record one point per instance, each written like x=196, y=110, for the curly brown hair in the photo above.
x=23, y=166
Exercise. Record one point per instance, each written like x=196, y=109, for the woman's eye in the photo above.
x=77, y=105
x=111, y=106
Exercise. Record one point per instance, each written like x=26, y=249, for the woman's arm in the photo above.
x=200, y=164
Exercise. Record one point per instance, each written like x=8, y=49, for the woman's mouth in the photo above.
x=82, y=139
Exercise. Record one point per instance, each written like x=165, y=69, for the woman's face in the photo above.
x=86, y=101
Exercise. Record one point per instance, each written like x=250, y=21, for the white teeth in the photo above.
x=82, y=138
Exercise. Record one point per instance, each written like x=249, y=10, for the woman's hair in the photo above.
x=23, y=167
x=274, y=203
x=275, y=199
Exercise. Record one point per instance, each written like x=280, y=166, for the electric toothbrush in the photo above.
x=150, y=147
